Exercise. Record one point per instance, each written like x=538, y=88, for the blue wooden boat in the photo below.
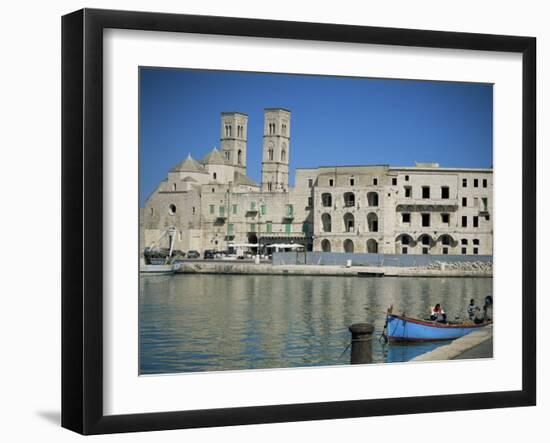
x=402, y=328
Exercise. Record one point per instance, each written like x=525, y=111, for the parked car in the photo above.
x=193, y=254
x=209, y=254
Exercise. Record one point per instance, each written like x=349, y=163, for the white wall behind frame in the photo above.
x=30, y=326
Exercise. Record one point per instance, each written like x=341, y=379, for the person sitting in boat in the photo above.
x=438, y=314
x=479, y=316
x=472, y=309
x=488, y=308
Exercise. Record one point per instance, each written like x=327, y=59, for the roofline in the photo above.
x=234, y=112
x=423, y=169
x=277, y=109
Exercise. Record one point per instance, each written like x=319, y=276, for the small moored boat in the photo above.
x=402, y=328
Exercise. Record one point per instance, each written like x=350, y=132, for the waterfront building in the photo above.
x=420, y=209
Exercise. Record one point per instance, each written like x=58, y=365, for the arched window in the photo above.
x=349, y=199
x=214, y=175
x=173, y=186
x=372, y=199
x=372, y=246
x=348, y=246
x=326, y=200
x=372, y=222
x=426, y=240
x=239, y=157
x=283, y=155
x=270, y=154
x=325, y=246
x=326, y=221
x=349, y=222
x=172, y=209
x=227, y=155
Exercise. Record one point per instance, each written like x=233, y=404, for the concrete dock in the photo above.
x=478, y=344
x=239, y=267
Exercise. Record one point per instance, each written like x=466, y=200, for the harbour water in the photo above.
x=205, y=322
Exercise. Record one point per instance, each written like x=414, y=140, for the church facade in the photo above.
x=211, y=203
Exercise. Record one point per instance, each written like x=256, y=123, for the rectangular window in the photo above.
x=464, y=182
x=230, y=229
x=288, y=228
x=290, y=210
x=309, y=202
x=252, y=227
x=331, y=182
x=464, y=202
x=445, y=251
x=476, y=221
x=476, y=202
x=406, y=178
x=445, y=218
x=476, y=250
x=408, y=191
x=221, y=210
x=476, y=182
x=394, y=181
x=484, y=182
x=464, y=221
x=263, y=209
x=476, y=241
x=305, y=228
x=375, y=181
x=425, y=220
x=234, y=209
x=252, y=206
x=403, y=250
x=352, y=182
x=425, y=192
x=424, y=251
x=445, y=192
x=464, y=250
x=211, y=209
x=310, y=182
x=464, y=241
x=269, y=227
x=406, y=217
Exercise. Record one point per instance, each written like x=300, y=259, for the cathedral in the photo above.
x=212, y=204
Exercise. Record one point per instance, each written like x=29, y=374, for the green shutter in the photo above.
x=211, y=209
x=222, y=211
x=269, y=227
x=252, y=227
x=234, y=209
x=230, y=229
x=305, y=228
x=290, y=209
x=252, y=206
x=288, y=228
x=263, y=209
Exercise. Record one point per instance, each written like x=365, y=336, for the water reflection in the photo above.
x=220, y=322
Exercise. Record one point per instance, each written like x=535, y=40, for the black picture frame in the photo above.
x=82, y=215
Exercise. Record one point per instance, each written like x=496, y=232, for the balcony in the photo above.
x=426, y=205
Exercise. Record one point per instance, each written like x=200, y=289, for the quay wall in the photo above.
x=366, y=259
x=207, y=267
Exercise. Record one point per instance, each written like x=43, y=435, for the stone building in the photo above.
x=212, y=203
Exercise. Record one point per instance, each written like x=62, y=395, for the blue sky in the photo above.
x=335, y=120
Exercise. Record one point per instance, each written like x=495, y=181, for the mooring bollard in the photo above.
x=361, y=343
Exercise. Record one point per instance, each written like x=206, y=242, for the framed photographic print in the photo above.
x=269, y=221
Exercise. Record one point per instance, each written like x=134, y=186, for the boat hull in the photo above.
x=158, y=269
x=406, y=329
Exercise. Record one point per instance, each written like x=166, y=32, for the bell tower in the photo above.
x=234, y=127
x=276, y=150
